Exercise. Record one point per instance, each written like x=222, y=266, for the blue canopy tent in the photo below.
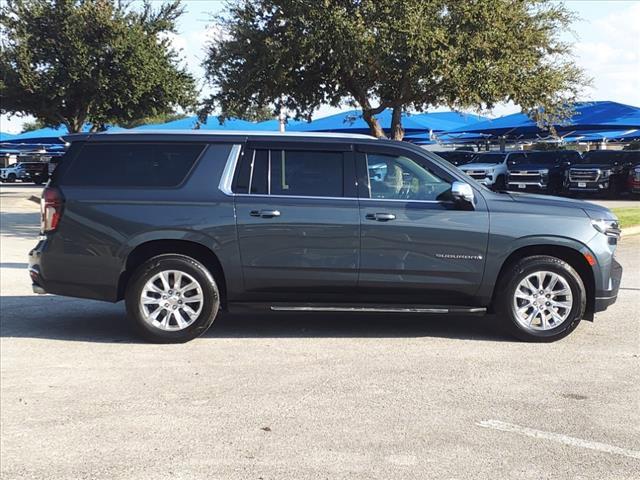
x=274, y=125
x=42, y=136
x=190, y=123
x=419, y=123
x=615, y=136
x=49, y=136
x=4, y=136
x=588, y=116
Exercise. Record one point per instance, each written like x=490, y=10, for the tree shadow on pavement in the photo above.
x=59, y=318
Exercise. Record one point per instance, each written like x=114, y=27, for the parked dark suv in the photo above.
x=540, y=171
x=181, y=225
x=601, y=171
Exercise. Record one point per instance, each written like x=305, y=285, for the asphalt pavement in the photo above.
x=308, y=396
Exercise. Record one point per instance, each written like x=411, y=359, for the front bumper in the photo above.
x=608, y=296
x=539, y=187
x=599, y=186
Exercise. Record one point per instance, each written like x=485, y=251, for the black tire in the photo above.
x=184, y=264
x=511, y=278
x=11, y=178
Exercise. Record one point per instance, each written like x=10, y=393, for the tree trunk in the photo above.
x=374, y=125
x=397, y=132
x=74, y=125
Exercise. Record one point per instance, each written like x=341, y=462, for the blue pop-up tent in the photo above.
x=613, y=136
x=49, y=136
x=4, y=136
x=588, y=116
x=352, y=122
x=190, y=123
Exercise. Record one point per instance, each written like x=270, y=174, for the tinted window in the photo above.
x=400, y=178
x=603, y=157
x=539, y=158
x=132, y=164
x=488, y=158
x=305, y=173
x=260, y=172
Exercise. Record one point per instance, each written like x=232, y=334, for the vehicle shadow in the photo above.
x=59, y=318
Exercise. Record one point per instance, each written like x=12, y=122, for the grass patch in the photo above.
x=628, y=216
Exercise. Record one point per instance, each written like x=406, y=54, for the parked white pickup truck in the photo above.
x=37, y=172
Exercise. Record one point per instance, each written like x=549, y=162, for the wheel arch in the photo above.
x=574, y=257
x=149, y=249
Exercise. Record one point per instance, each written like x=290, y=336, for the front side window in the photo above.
x=400, y=178
x=291, y=173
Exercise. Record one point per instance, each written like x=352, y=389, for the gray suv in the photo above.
x=182, y=225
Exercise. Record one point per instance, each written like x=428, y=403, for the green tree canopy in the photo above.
x=98, y=61
x=398, y=54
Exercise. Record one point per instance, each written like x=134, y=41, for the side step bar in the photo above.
x=376, y=309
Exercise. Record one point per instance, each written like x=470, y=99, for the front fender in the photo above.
x=499, y=252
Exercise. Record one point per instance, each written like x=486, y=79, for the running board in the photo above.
x=376, y=309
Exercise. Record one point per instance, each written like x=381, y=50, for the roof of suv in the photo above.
x=177, y=134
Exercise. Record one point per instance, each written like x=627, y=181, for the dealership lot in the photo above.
x=308, y=396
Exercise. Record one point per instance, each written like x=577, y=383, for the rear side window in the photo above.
x=132, y=164
x=291, y=172
x=309, y=174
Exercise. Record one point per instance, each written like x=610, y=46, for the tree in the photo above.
x=31, y=126
x=75, y=61
x=153, y=120
x=397, y=54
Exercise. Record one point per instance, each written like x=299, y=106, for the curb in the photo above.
x=627, y=232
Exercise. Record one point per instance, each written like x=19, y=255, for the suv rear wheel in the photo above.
x=540, y=299
x=172, y=299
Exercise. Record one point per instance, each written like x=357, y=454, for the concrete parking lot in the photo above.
x=308, y=396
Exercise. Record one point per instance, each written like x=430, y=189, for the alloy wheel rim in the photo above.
x=542, y=301
x=171, y=300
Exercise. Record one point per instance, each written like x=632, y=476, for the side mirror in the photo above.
x=462, y=192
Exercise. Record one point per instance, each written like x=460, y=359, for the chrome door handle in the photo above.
x=380, y=217
x=265, y=213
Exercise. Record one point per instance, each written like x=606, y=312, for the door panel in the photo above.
x=418, y=251
x=296, y=247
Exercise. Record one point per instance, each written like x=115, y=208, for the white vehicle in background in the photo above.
x=489, y=168
x=37, y=172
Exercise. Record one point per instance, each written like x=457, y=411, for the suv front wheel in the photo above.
x=540, y=299
x=172, y=299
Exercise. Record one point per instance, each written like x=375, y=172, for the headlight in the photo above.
x=605, y=173
x=488, y=173
x=609, y=227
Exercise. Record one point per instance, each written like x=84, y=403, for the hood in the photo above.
x=587, y=166
x=541, y=201
x=478, y=166
x=529, y=167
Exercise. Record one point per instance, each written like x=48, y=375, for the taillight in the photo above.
x=50, y=209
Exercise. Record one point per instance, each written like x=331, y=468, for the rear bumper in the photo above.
x=49, y=272
x=608, y=296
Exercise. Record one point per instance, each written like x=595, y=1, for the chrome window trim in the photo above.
x=226, y=182
x=229, y=170
x=263, y=195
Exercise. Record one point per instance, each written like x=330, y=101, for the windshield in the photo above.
x=488, y=158
x=602, y=157
x=538, y=158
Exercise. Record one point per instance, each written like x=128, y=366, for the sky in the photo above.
x=606, y=45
